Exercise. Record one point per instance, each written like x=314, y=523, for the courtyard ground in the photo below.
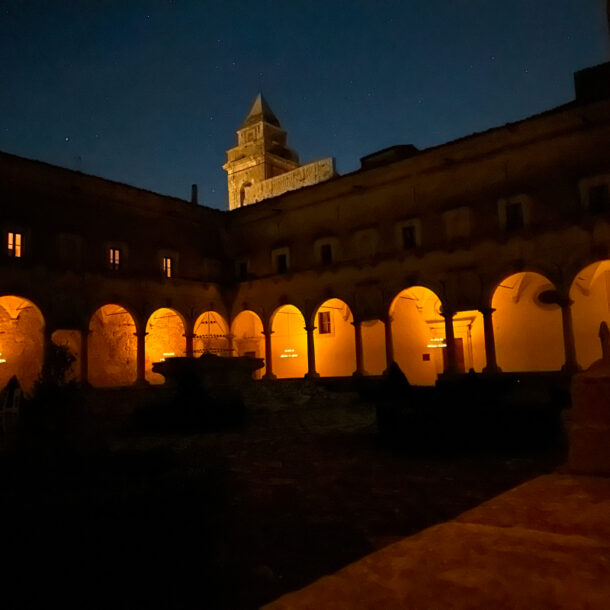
x=232, y=519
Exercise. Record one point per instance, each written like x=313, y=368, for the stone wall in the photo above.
x=306, y=175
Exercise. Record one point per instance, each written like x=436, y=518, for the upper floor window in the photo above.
x=326, y=254
x=408, y=234
x=514, y=212
x=324, y=327
x=168, y=266
x=409, y=239
x=280, y=259
x=114, y=258
x=599, y=199
x=15, y=244
x=457, y=223
x=281, y=263
x=514, y=216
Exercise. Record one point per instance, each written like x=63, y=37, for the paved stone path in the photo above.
x=544, y=544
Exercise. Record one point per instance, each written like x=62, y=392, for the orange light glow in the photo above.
x=528, y=331
x=334, y=340
x=288, y=326
x=590, y=296
x=416, y=324
x=21, y=341
x=248, y=339
x=112, y=347
x=211, y=332
x=164, y=339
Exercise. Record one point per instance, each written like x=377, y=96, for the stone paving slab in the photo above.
x=563, y=504
x=544, y=544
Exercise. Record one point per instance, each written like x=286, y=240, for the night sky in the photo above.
x=150, y=93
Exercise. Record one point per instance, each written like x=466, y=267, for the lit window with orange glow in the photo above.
x=14, y=244
x=168, y=266
x=114, y=258
x=324, y=323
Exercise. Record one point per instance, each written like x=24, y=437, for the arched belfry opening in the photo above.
x=527, y=324
x=334, y=339
x=112, y=347
x=288, y=342
x=590, y=297
x=21, y=341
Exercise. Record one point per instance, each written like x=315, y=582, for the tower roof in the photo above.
x=260, y=111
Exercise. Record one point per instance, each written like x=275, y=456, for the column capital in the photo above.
x=487, y=311
x=564, y=302
x=310, y=327
x=140, y=334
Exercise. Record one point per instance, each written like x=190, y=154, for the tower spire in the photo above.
x=261, y=153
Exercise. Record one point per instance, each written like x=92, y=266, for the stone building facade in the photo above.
x=489, y=253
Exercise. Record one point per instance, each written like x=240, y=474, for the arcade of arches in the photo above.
x=529, y=326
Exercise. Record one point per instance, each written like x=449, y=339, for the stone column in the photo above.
x=141, y=358
x=230, y=338
x=311, y=354
x=571, y=365
x=451, y=362
x=389, y=344
x=491, y=364
x=84, y=357
x=268, y=363
x=188, y=351
x=359, y=349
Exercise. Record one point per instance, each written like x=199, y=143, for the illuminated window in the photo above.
x=281, y=263
x=114, y=258
x=14, y=244
x=514, y=216
x=168, y=266
x=324, y=322
x=326, y=254
x=599, y=199
x=408, y=237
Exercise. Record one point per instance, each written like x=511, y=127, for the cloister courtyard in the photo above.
x=126, y=518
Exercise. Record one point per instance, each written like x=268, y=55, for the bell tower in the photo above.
x=261, y=153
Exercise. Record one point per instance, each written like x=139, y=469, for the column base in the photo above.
x=359, y=374
x=142, y=383
x=570, y=368
x=312, y=375
x=492, y=370
x=269, y=376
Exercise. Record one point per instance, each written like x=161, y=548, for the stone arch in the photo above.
x=210, y=335
x=288, y=342
x=590, y=297
x=418, y=334
x=248, y=338
x=334, y=339
x=165, y=338
x=21, y=341
x=112, y=347
x=527, y=323
x=242, y=192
